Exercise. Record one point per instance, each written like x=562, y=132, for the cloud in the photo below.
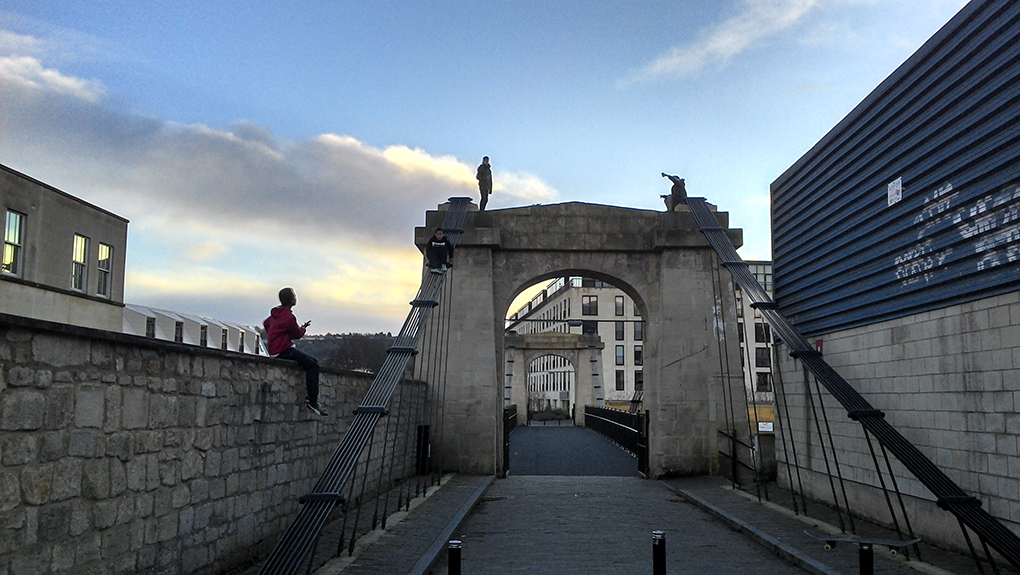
x=757, y=20
x=221, y=217
x=29, y=73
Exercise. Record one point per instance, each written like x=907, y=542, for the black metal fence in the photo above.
x=628, y=430
x=509, y=424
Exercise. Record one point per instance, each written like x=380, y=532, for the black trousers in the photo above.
x=311, y=367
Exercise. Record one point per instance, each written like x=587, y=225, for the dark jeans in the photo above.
x=311, y=368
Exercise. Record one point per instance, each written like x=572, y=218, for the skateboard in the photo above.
x=830, y=540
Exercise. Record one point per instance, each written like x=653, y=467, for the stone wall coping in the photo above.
x=16, y=321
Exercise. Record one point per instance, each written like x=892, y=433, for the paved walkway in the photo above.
x=566, y=450
x=586, y=524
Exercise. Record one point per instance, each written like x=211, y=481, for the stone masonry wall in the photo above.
x=949, y=381
x=126, y=455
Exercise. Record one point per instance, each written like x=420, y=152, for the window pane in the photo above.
x=620, y=380
x=104, y=268
x=79, y=264
x=619, y=355
x=590, y=305
x=619, y=305
x=639, y=380
x=619, y=330
x=764, y=382
x=12, y=243
x=639, y=355
x=639, y=331
x=761, y=357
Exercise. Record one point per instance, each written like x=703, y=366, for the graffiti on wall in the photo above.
x=951, y=227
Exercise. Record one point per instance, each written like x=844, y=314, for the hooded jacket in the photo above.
x=281, y=330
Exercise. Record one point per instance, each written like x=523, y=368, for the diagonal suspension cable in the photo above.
x=286, y=558
x=949, y=496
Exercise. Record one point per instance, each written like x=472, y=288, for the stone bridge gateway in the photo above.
x=661, y=260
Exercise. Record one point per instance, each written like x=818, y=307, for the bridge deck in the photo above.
x=588, y=524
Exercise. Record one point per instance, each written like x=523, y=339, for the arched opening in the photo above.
x=550, y=390
x=577, y=345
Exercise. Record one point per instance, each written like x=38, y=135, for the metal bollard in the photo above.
x=867, y=557
x=658, y=553
x=453, y=557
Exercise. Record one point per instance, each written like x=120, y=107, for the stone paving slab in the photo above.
x=600, y=525
x=414, y=540
x=778, y=529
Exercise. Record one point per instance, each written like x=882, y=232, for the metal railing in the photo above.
x=949, y=496
x=300, y=537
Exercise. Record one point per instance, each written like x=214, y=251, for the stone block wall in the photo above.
x=949, y=381
x=126, y=455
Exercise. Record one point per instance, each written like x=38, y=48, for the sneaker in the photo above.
x=444, y=268
x=317, y=409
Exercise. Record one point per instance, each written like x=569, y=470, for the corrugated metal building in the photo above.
x=896, y=248
x=911, y=202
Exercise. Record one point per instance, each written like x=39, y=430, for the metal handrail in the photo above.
x=299, y=538
x=949, y=496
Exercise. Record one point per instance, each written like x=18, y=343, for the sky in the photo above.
x=256, y=144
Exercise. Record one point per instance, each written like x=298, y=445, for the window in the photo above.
x=764, y=381
x=761, y=357
x=740, y=331
x=619, y=355
x=590, y=326
x=761, y=332
x=79, y=264
x=203, y=336
x=105, y=267
x=619, y=305
x=637, y=312
x=620, y=382
x=589, y=305
x=639, y=380
x=619, y=330
x=740, y=311
x=240, y=342
x=639, y=355
x=179, y=331
x=150, y=327
x=14, y=238
x=639, y=331
x=223, y=339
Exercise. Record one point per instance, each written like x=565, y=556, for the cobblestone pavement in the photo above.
x=600, y=525
x=566, y=450
x=566, y=524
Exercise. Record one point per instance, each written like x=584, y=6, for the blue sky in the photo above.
x=255, y=144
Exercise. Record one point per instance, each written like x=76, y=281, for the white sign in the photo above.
x=765, y=426
x=895, y=190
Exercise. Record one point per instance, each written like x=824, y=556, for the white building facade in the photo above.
x=583, y=305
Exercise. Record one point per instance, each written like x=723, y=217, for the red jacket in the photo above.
x=281, y=330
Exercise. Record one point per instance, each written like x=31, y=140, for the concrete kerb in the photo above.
x=790, y=554
x=781, y=549
x=432, y=556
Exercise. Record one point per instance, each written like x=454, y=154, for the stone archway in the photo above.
x=575, y=348
x=661, y=260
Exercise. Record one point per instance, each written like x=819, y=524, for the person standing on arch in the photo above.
x=677, y=194
x=484, y=177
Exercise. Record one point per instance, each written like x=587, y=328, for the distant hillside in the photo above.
x=354, y=351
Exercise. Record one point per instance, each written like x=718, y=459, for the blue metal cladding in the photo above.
x=946, y=125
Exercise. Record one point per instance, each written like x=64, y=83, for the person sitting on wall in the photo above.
x=281, y=330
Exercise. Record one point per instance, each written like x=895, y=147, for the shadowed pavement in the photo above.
x=575, y=451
